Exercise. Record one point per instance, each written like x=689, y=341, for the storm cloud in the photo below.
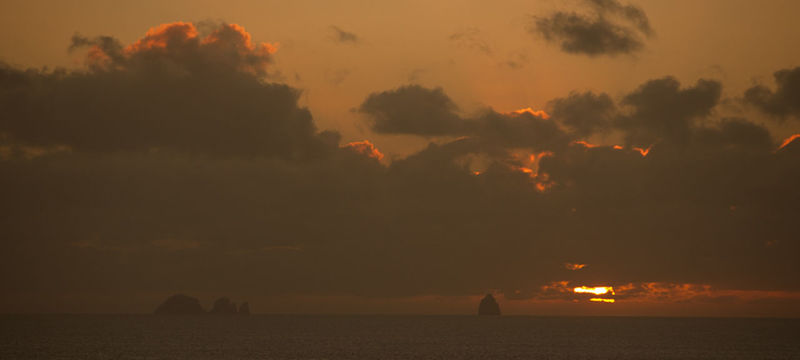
x=610, y=28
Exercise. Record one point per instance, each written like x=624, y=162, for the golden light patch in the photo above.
x=574, y=266
x=602, y=300
x=538, y=113
x=524, y=169
x=597, y=290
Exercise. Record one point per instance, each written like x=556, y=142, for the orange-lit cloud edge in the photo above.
x=226, y=41
x=365, y=148
x=789, y=140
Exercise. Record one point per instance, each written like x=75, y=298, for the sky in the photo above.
x=408, y=157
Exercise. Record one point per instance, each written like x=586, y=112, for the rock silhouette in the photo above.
x=224, y=306
x=180, y=305
x=186, y=305
x=489, y=306
x=244, y=309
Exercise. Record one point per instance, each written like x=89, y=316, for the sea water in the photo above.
x=393, y=337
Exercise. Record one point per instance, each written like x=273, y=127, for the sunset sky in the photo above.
x=401, y=157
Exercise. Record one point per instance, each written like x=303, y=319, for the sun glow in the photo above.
x=602, y=300
x=598, y=290
x=538, y=113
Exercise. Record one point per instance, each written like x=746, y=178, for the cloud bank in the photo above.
x=172, y=164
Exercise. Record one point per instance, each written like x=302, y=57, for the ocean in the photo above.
x=393, y=337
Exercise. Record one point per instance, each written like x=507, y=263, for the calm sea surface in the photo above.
x=393, y=337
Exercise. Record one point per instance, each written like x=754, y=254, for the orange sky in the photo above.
x=336, y=77
x=491, y=67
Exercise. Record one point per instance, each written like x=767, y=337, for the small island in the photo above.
x=489, y=306
x=181, y=304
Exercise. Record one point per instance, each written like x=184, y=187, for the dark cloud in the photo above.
x=417, y=110
x=518, y=129
x=584, y=113
x=679, y=198
x=412, y=109
x=662, y=111
x=249, y=200
x=344, y=37
x=611, y=28
x=784, y=101
x=162, y=93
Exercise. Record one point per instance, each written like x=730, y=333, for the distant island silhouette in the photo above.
x=489, y=306
x=181, y=304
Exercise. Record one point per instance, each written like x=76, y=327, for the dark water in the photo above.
x=394, y=337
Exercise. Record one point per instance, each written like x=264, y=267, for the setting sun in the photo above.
x=599, y=290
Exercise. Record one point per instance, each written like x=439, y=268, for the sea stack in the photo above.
x=180, y=305
x=489, y=306
x=244, y=308
x=224, y=306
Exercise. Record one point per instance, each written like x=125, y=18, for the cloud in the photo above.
x=613, y=202
x=140, y=174
x=171, y=90
x=782, y=103
x=412, y=109
x=416, y=110
x=366, y=148
x=611, y=29
x=584, y=113
x=177, y=48
x=470, y=38
x=662, y=111
x=344, y=37
x=337, y=77
x=516, y=61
